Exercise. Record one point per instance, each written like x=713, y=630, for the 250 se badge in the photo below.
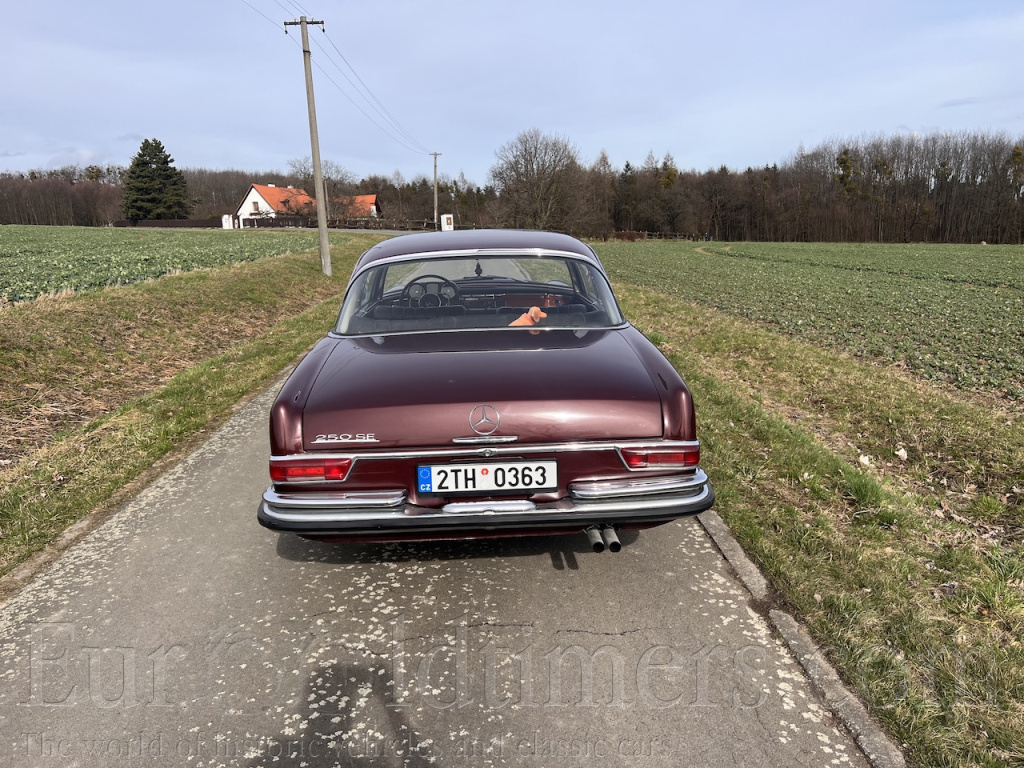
x=507, y=394
x=347, y=438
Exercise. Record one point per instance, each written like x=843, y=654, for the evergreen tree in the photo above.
x=153, y=187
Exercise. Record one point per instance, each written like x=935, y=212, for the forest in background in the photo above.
x=941, y=188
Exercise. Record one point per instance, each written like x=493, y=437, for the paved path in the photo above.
x=181, y=633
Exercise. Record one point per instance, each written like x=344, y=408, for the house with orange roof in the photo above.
x=268, y=201
x=356, y=207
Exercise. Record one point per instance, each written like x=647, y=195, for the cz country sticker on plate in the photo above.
x=488, y=478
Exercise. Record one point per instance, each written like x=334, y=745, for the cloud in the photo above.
x=966, y=102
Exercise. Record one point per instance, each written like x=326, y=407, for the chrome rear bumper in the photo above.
x=633, y=501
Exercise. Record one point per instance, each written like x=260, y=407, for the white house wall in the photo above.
x=245, y=210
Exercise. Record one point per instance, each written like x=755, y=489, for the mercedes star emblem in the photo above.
x=484, y=419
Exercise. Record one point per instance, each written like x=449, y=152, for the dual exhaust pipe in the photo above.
x=603, y=537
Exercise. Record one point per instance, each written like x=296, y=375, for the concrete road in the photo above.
x=181, y=633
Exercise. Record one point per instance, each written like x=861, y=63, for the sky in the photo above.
x=738, y=83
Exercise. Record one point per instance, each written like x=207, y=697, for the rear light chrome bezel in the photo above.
x=306, y=470
x=670, y=456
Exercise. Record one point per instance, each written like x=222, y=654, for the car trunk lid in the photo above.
x=425, y=390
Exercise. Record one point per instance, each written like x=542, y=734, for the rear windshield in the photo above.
x=486, y=292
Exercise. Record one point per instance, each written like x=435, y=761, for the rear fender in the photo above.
x=286, y=413
x=676, y=401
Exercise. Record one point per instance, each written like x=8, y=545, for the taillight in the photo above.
x=309, y=470
x=662, y=458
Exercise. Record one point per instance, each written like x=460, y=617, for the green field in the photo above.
x=40, y=260
x=949, y=313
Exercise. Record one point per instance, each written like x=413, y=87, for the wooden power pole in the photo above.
x=314, y=140
x=435, y=154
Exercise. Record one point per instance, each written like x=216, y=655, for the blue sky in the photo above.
x=732, y=82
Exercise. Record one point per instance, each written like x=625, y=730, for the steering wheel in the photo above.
x=416, y=293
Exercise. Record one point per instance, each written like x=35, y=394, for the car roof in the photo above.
x=476, y=241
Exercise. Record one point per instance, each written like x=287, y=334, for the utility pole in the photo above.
x=435, y=154
x=314, y=140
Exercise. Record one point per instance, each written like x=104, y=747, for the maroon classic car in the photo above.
x=481, y=383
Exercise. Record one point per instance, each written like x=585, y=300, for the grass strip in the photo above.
x=961, y=453
x=204, y=341
x=914, y=588
x=58, y=485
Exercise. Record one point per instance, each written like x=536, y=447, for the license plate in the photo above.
x=488, y=478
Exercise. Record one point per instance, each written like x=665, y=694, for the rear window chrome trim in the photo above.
x=474, y=253
x=577, y=329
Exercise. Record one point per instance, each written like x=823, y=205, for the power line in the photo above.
x=413, y=147
x=295, y=7
x=382, y=109
x=404, y=137
x=261, y=13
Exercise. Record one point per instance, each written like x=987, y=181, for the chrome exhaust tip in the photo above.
x=610, y=539
x=596, y=540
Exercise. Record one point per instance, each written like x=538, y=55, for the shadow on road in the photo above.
x=346, y=717
x=563, y=550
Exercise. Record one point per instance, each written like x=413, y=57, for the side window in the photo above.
x=594, y=289
x=585, y=285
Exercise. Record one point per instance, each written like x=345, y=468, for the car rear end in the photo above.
x=473, y=436
x=442, y=407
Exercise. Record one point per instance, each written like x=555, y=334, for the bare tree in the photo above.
x=533, y=178
x=338, y=181
x=397, y=183
x=301, y=168
x=592, y=216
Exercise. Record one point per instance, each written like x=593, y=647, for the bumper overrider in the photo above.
x=631, y=502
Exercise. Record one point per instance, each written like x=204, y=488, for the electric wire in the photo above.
x=261, y=13
x=407, y=140
x=404, y=137
x=380, y=108
x=295, y=6
x=380, y=127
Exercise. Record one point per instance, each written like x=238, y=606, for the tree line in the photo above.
x=944, y=187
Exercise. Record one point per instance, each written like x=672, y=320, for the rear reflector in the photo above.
x=661, y=458
x=309, y=470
